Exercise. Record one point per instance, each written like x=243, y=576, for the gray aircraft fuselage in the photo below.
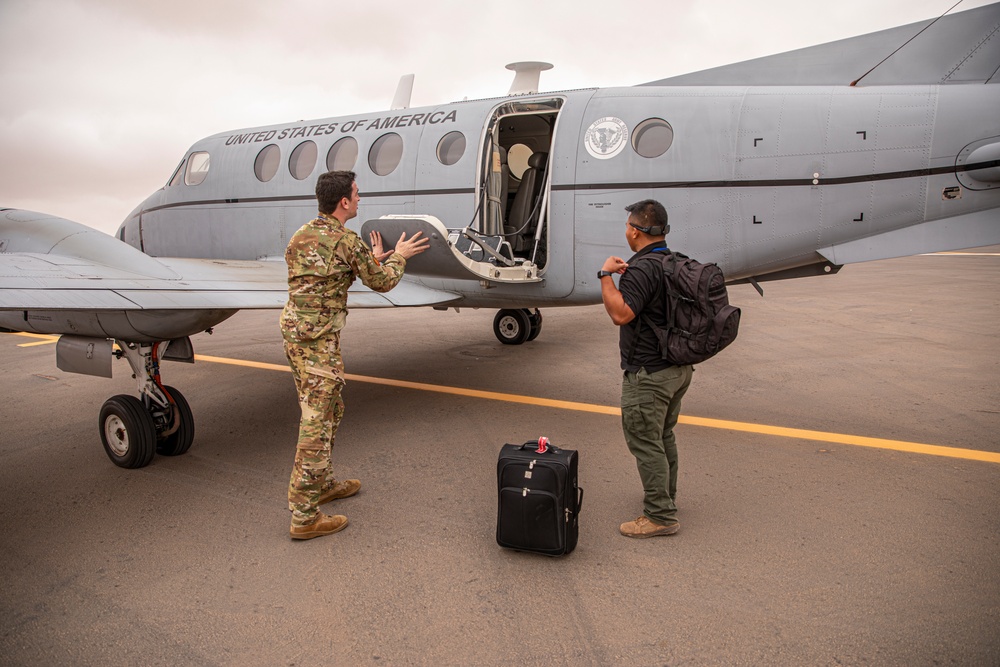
x=766, y=181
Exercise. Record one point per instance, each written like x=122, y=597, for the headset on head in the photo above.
x=654, y=230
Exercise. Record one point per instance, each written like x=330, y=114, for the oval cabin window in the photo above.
x=385, y=154
x=343, y=155
x=451, y=148
x=266, y=164
x=302, y=160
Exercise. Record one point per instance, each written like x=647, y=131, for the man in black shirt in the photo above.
x=652, y=388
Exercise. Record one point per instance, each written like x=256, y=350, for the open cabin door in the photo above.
x=507, y=239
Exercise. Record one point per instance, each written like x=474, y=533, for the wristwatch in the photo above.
x=601, y=274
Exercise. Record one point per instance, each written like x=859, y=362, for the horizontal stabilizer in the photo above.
x=965, y=231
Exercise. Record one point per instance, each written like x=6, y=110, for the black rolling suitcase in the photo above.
x=539, y=500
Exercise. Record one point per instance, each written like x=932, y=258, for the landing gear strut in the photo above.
x=133, y=429
x=517, y=326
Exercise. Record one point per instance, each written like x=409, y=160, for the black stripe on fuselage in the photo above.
x=652, y=185
x=793, y=182
x=264, y=200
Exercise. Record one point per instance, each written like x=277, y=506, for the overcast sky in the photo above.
x=100, y=99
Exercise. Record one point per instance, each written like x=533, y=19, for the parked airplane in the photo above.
x=785, y=166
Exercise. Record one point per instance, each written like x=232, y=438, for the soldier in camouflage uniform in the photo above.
x=324, y=258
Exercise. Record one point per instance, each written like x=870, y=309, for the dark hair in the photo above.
x=331, y=187
x=649, y=216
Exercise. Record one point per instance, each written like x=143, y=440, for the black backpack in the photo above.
x=700, y=321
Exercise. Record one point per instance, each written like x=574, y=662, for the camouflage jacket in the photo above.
x=323, y=258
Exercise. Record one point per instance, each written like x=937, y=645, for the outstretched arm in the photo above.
x=378, y=276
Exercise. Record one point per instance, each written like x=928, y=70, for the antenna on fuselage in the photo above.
x=858, y=80
x=404, y=90
x=526, y=75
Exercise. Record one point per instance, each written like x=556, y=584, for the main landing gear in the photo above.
x=516, y=326
x=159, y=422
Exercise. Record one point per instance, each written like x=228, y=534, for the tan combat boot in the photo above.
x=643, y=527
x=323, y=525
x=340, y=490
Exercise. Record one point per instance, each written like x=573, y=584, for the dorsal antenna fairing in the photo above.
x=404, y=90
x=526, y=76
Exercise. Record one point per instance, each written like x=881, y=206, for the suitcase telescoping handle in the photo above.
x=542, y=445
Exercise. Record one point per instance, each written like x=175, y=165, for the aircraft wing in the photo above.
x=33, y=281
x=965, y=231
x=52, y=264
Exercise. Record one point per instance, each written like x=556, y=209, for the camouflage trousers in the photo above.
x=319, y=379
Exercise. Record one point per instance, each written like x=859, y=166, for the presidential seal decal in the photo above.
x=606, y=137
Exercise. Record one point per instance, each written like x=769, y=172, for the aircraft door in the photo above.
x=516, y=177
x=450, y=201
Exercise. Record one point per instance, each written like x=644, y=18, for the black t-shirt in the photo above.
x=640, y=288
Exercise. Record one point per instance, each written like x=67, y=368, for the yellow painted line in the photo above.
x=41, y=342
x=243, y=362
x=961, y=254
x=48, y=339
x=763, y=429
x=841, y=439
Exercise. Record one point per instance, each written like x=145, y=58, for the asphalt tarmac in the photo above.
x=839, y=543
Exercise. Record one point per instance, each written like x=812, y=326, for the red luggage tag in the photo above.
x=543, y=445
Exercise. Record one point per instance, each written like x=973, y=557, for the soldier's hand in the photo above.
x=413, y=246
x=376, y=242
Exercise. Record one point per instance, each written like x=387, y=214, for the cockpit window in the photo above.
x=302, y=160
x=266, y=164
x=197, y=168
x=178, y=174
x=652, y=137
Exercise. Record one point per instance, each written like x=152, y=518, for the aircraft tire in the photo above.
x=127, y=431
x=180, y=440
x=512, y=327
x=535, y=317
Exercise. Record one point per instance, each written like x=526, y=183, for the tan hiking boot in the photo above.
x=340, y=490
x=644, y=527
x=324, y=524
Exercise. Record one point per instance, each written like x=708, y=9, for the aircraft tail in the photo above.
x=962, y=48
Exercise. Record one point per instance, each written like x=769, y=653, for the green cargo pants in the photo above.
x=651, y=404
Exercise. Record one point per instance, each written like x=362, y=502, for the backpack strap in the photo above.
x=672, y=295
x=656, y=294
